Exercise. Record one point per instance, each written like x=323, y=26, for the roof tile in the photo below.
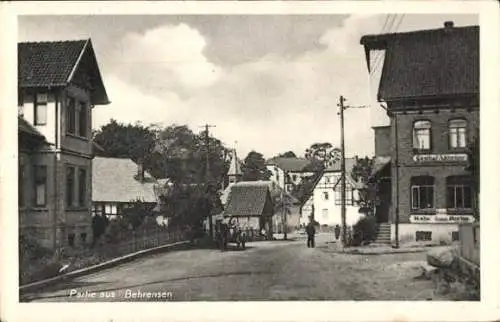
x=113, y=181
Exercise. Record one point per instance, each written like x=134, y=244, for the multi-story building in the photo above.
x=430, y=86
x=325, y=197
x=288, y=172
x=59, y=83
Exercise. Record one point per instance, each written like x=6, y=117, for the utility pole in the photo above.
x=343, y=107
x=207, y=171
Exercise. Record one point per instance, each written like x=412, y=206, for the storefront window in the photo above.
x=422, y=192
x=458, y=193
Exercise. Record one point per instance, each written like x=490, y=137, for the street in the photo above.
x=271, y=270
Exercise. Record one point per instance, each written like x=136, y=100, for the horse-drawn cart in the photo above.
x=227, y=233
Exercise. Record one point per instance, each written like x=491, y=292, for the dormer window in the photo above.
x=40, y=106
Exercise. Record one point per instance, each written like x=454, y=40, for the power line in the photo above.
x=378, y=59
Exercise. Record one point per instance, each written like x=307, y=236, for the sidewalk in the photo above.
x=381, y=249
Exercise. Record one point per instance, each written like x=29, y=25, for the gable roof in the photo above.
x=113, y=180
x=289, y=164
x=426, y=63
x=25, y=127
x=335, y=167
x=54, y=64
x=248, y=199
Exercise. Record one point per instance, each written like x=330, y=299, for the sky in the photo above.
x=269, y=83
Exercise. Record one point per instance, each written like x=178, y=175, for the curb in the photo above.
x=387, y=252
x=108, y=264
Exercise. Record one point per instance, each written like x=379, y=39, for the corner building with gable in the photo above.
x=429, y=84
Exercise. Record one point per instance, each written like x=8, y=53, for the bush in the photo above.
x=364, y=231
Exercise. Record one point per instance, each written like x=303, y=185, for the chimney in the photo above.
x=448, y=24
x=140, y=171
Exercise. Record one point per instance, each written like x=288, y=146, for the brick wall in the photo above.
x=439, y=145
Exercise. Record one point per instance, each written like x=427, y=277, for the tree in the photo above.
x=133, y=141
x=181, y=156
x=362, y=172
x=288, y=154
x=254, y=167
x=99, y=224
x=322, y=155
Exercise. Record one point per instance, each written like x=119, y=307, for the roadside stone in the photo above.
x=441, y=258
x=428, y=271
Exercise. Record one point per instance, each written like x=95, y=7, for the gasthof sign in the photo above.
x=440, y=157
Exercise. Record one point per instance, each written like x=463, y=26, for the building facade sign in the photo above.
x=443, y=219
x=462, y=157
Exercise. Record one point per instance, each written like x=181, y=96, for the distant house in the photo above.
x=59, y=83
x=250, y=204
x=326, y=197
x=288, y=172
x=118, y=183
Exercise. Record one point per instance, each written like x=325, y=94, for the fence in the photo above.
x=133, y=241
x=470, y=242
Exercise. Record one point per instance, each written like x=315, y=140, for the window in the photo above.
x=40, y=172
x=325, y=195
x=423, y=236
x=97, y=210
x=82, y=120
x=40, y=109
x=458, y=193
x=294, y=177
x=422, y=192
x=71, y=240
x=422, y=135
x=348, y=195
x=70, y=186
x=82, y=187
x=110, y=209
x=20, y=103
x=70, y=115
x=83, y=237
x=455, y=236
x=458, y=133
x=21, y=177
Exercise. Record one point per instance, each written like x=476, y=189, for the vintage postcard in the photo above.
x=249, y=161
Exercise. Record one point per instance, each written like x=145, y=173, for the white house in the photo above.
x=326, y=197
x=292, y=169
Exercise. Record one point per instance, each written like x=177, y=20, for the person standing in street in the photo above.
x=311, y=231
x=337, y=232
